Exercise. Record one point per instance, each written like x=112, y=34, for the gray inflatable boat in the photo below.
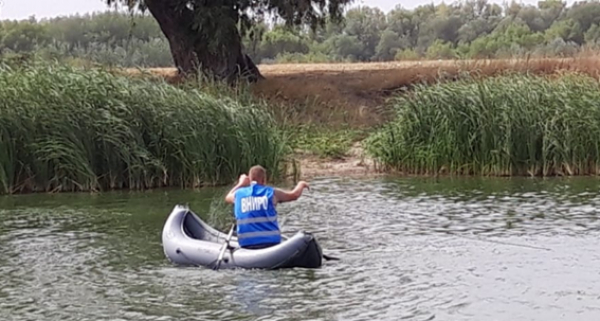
x=187, y=240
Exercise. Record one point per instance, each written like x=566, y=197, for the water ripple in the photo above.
x=411, y=249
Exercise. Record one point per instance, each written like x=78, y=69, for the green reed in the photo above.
x=507, y=125
x=64, y=129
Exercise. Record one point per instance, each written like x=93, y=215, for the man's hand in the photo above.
x=302, y=185
x=244, y=180
x=282, y=196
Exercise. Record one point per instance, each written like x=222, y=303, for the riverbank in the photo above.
x=356, y=94
x=538, y=120
x=363, y=96
x=68, y=129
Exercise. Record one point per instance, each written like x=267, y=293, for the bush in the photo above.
x=67, y=129
x=508, y=125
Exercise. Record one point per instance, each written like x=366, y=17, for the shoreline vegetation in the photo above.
x=68, y=129
x=511, y=125
x=65, y=128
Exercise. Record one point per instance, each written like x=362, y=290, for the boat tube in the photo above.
x=188, y=240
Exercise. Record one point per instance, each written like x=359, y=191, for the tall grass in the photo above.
x=506, y=125
x=65, y=129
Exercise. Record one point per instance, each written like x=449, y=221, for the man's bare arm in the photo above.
x=243, y=181
x=283, y=196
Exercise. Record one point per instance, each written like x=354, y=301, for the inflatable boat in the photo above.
x=187, y=240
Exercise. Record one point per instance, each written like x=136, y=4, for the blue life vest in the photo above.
x=256, y=216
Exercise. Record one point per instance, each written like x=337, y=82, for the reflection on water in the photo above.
x=411, y=249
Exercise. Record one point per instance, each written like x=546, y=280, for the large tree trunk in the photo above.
x=198, y=48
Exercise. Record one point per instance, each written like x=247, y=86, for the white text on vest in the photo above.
x=252, y=203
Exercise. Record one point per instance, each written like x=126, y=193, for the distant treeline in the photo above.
x=468, y=29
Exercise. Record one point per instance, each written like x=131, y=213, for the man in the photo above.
x=254, y=204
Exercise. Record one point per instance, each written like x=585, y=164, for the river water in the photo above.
x=410, y=249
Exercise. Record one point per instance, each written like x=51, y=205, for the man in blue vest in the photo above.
x=254, y=207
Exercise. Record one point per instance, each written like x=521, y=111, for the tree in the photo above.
x=388, y=46
x=207, y=35
x=280, y=41
x=366, y=24
x=567, y=30
x=402, y=22
x=24, y=37
x=346, y=47
x=592, y=35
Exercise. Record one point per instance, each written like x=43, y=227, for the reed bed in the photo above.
x=66, y=129
x=509, y=125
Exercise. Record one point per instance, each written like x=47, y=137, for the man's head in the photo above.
x=259, y=174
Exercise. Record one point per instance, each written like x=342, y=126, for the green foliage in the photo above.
x=567, y=30
x=514, y=39
x=593, y=34
x=281, y=41
x=508, y=125
x=470, y=29
x=346, y=47
x=302, y=58
x=111, y=39
x=212, y=20
x=389, y=45
x=362, y=33
x=406, y=54
x=69, y=129
x=440, y=50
